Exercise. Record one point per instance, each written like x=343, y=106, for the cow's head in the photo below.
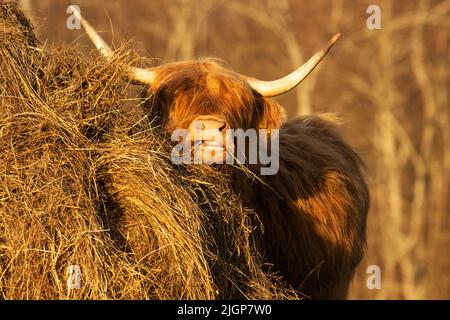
x=207, y=96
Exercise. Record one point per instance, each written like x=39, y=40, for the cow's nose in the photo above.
x=209, y=123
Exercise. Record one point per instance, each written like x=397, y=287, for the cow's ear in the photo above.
x=274, y=115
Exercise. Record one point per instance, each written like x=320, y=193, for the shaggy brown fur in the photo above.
x=315, y=222
x=185, y=90
x=314, y=209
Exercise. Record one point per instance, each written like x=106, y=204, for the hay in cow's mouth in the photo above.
x=84, y=181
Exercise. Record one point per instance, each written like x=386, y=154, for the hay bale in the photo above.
x=83, y=182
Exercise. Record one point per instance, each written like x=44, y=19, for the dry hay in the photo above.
x=84, y=183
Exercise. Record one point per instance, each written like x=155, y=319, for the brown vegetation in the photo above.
x=83, y=183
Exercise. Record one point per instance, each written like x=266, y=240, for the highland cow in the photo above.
x=314, y=209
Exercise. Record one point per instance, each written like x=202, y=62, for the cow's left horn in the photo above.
x=289, y=82
x=145, y=76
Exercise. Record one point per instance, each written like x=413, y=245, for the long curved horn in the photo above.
x=145, y=76
x=289, y=82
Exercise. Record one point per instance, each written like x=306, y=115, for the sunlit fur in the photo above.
x=314, y=209
x=186, y=89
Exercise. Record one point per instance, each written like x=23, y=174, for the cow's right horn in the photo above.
x=289, y=82
x=141, y=75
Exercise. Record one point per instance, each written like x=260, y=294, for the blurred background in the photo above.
x=390, y=85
